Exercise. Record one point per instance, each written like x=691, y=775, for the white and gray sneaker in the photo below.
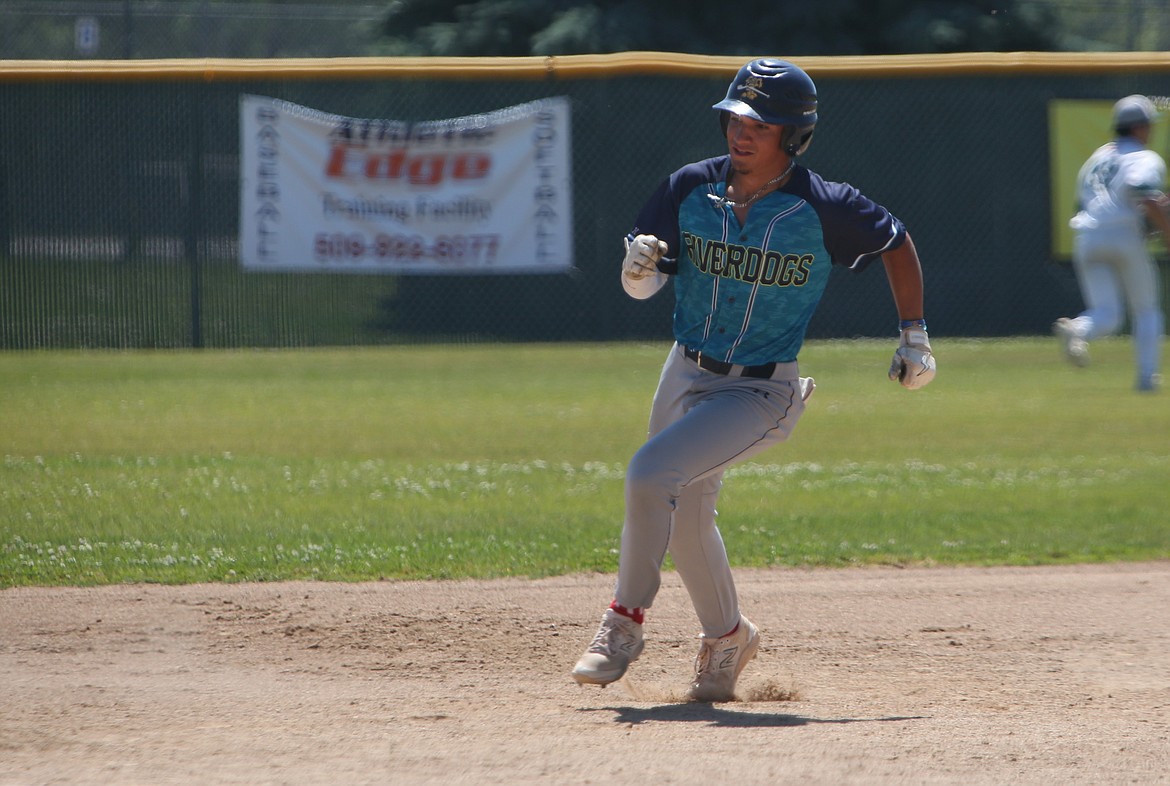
x=618, y=643
x=720, y=661
x=1076, y=349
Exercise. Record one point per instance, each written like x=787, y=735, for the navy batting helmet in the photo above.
x=775, y=92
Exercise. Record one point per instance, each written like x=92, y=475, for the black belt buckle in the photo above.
x=762, y=371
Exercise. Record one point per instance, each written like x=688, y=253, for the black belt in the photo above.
x=708, y=363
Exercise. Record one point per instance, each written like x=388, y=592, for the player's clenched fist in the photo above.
x=913, y=365
x=642, y=256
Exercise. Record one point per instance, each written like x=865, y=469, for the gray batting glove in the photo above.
x=913, y=365
x=642, y=256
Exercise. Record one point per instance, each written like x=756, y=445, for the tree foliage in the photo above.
x=299, y=28
x=817, y=27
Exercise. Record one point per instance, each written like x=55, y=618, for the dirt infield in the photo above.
x=1056, y=675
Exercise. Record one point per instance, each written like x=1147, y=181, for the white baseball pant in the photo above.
x=1115, y=268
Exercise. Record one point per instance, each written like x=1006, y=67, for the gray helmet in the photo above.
x=1132, y=111
x=775, y=92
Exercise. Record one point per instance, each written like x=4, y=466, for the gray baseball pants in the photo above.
x=700, y=424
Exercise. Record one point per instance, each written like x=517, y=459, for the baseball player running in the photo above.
x=748, y=239
x=1119, y=196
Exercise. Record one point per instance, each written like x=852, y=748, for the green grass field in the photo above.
x=485, y=461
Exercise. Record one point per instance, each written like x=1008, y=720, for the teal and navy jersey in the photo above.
x=745, y=294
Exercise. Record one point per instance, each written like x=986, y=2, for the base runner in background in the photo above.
x=748, y=239
x=1119, y=200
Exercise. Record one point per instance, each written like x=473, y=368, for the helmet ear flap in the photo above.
x=796, y=140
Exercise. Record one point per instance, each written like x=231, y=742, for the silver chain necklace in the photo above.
x=722, y=200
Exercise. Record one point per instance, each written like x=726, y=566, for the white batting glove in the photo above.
x=913, y=365
x=642, y=256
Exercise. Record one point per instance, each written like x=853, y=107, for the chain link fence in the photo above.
x=119, y=195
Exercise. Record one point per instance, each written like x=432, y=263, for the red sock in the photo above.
x=637, y=615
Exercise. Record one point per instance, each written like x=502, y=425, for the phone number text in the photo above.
x=357, y=247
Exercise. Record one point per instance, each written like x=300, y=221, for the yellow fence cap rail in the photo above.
x=577, y=66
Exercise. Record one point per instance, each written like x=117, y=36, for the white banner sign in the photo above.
x=489, y=193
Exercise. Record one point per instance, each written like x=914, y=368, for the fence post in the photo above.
x=195, y=211
x=5, y=231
